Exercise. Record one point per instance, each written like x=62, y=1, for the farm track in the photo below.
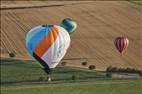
x=99, y=22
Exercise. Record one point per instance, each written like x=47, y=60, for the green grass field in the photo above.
x=98, y=87
x=23, y=77
x=136, y=2
x=26, y=71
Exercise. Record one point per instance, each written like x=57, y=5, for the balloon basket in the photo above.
x=49, y=78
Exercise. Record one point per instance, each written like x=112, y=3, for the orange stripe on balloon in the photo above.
x=43, y=46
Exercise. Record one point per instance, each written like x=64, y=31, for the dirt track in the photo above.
x=99, y=22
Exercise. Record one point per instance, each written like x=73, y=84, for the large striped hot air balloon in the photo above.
x=48, y=44
x=121, y=43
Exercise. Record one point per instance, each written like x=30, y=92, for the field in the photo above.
x=99, y=23
x=97, y=87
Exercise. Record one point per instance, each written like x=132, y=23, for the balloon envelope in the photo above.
x=121, y=44
x=48, y=44
x=69, y=24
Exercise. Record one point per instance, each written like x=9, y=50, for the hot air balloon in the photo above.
x=121, y=43
x=48, y=44
x=69, y=24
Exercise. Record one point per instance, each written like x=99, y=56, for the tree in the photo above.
x=74, y=77
x=108, y=75
x=140, y=73
x=41, y=78
x=114, y=69
x=109, y=69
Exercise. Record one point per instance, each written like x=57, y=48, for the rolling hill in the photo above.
x=99, y=23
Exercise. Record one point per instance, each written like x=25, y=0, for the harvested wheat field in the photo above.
x=99, y=23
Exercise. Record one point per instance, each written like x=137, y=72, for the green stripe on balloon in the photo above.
x=69, y=24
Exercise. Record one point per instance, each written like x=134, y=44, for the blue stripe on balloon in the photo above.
x=37, y=38
x=31, y=33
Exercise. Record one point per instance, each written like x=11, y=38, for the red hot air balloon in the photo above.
x=121, y=43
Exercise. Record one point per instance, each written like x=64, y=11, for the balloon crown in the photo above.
x=45, y=25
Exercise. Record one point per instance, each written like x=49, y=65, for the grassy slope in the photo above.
x=138, y=2
x=21, y=71
x=106, y=87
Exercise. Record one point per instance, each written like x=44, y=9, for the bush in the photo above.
x=130, y=70
x=108, y=75
x=114, y=69
x=140, y=73
x=63, y=63
x=84, y=63
x=109, y=69
x=11, y=55
x=123, y=70
x=74, y=77
x=91, y=67
x=41, y=78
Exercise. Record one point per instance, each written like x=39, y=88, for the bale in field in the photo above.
x=11, y=54
x=91, y=67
